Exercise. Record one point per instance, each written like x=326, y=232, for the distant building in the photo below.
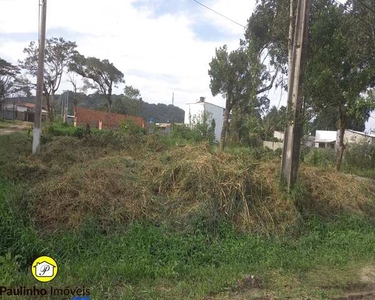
x=164, y=128
x=105, y=120
x=23, y=111
x=325, y=139
x=278, y=135
x=194, y=112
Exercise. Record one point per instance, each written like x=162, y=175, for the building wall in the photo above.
x=216, y=113
x=279, y=135
x=326, y=135
x=110, y=120
x=195, y=111
x=353, y=137
x=273, y=145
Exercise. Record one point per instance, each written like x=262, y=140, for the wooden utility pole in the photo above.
x=39, y=84
x=297, y=59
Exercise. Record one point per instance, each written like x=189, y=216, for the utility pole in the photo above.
x=173, y=99
x=293, y=132
x=39, y=84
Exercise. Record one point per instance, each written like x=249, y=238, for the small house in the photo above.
x=325, y=139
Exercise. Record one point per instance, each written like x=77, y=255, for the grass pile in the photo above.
x=330, y=193
x=143, y=180
x=124, y=202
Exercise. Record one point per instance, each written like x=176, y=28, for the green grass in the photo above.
x=145, y=261
x=149, y=262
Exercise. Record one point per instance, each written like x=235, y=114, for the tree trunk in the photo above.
x=49, y=100
x=224, y=130
x=340, y=151
x=75, y=104
x=109, y=103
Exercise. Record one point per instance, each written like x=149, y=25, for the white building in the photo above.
x=278, y=135
x=325, y=139
x=194, y=112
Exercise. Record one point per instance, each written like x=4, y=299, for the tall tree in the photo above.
x=8, y=74
x=132, y=93
x=228, y=73
x=100, y=75
x=58, y=56
x=340, y=70
x=239, y=79
x=130, y=103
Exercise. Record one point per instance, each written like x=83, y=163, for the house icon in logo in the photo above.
x=44, y=269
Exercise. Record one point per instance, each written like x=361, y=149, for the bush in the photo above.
x=359, y=156
x=200, y=132
x=129, y=127
x=60, y=129
x=321, y=157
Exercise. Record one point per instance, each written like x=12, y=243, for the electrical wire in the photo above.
x=216, y=12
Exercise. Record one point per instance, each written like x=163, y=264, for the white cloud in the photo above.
x=135, y=39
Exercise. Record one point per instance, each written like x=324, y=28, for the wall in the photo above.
x=110, y=120
x=326, y=135
x=194, y=112
x=215, y=112
x=273, y=145
x=351, y=137
x=279, y=135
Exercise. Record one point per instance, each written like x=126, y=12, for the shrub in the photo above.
x=321, y=157
x=201, y=131
x=360, y=156
x=129, y=127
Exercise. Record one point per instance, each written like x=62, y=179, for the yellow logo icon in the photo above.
x=44, y=269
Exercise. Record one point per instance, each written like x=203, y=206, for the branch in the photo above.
x=267, y=88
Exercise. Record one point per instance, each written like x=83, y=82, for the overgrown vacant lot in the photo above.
x=133, y=217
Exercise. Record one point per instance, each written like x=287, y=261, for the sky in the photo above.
x=162, y=47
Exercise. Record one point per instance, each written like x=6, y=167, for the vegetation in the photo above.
x=180, y=222
x=144, y=216
x=58, y=55
x=99, y=75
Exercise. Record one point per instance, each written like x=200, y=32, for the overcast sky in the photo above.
x=161, y=46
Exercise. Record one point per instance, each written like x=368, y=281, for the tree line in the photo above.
x=61, y=57
x=339, y=80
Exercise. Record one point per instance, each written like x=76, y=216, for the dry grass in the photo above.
x=84, y=179
x=330, y=192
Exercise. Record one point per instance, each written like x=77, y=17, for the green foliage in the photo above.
x=202, y=130
x=9, y=267
x=98, y=74
x=50, y=130
x=9, y=80
x=255, y=153
x=129, y=127
x=360, y=156
x=320, y=157
x=18, y=240
x=132, y=93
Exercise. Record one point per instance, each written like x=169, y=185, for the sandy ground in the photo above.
x=15, y=128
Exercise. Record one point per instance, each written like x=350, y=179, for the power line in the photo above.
x=216, y=12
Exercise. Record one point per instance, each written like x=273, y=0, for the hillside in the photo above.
x=158, y=112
